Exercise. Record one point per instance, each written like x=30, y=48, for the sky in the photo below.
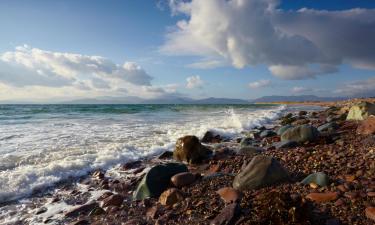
x=64, y=50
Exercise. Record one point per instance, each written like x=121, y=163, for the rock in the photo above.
x=249, y=150
x=285, y=144
x=287, y=120
x=229, y=195
x=189, y=149
x=318, y=178
x=300, y=122
x=260, y=172
x=302, y=113
x=183, y=179
x=322, y=197
x=171, y=196
x=157, y=180
x=165, y=155
x=131, y=165
x=361, y=111
x=367, y=126
x=267, y=133
x=98, y=175
x=80, y=222
x=370, y=213
x=227, y=216
x=300, y=134
x=331, y=126
x=82, y=209
x=245, y=142
x=210, y=137
x=282, y=129
x=113, y=200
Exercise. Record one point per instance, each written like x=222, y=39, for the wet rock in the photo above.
x=183, y=179
x=131, y=165
x=260, y=172
x=267, y=133
x=285, y=144
x=287, y=120
x=82, y=209
x=97, y=211
x=282, y=129
x=229, y=195
x=370, y=213
x=322, y=197
x=331, y=126
x=80, y=222
x=318, y=178
x=249, y=150
x=210, y=137
x=165, y=155
x=302, y=113
x=361, y=111
x=245, y=142
x=98, y=174
x=157, y=180
x=300, y=134
x=41, y=210
x=227, y=216
x=171, y=196
x=367, y=126
x=300, y=122
x=189, y=149
x=113, y=200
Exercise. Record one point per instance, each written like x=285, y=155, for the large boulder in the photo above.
x=367, y=126
x=361, y=111
x=157, y=180
x=300, y=134
x=282, y=129
x=262, y=171
x=285, y=144
x=190, y=150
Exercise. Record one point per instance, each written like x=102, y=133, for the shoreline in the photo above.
x=87, y=201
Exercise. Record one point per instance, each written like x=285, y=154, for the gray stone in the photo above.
x=247, y=141
x=282, y=129
x=285, y=144
x=300, y=134
x=267, y=133
x=327, y=127
x=157, y=180
x=249, y=150
x=262, y=171
x=318, y=178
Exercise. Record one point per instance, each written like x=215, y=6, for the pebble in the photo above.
x=113, y=200
x=171, y=196
x=227, y=215
x=322, y=197
x=183, y=179
x=229, y=195
x=370, y=213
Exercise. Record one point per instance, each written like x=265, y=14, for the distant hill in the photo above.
x=296, y=98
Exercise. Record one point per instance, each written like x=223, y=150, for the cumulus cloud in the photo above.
x=298, y=89
x=194, y=82
x=31, y=72
x=260, y=84
x=294, y=44
x=360, y=88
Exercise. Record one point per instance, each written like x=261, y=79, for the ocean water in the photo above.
x=44, y=144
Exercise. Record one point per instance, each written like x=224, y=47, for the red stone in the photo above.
x=322, y=197
x=370, y=213
x=229, y=194
x=367, y=126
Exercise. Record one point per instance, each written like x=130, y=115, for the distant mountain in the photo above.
x=296, y=98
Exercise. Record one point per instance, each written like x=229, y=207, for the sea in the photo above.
x=41, y=145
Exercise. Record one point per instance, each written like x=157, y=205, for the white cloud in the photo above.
x=298, y=90
x=294, y=44
x=194, y=82
x=360, y=88
x=260, y=84
x=33, y=73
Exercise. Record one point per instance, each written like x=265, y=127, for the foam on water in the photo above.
x=39, y=151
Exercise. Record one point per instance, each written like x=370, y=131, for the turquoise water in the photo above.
x=43, y=144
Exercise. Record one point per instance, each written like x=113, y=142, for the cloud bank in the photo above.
x=293, y=44
x=360, y=88
x=194, y=82
x=260, y=84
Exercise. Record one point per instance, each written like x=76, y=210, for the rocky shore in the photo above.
x=309, y=168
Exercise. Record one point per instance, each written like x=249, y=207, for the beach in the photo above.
x=210, y=190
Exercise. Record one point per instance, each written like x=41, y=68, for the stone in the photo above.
x=249, y=150
x=113, y=200
x=361, y=111
x=302, y=113
x=367, y=126
x=285, y=144
x=157, y=180
x=229, y=195
x=245, y=142
x=131, y=165
x=183, y=179
x=98, y=174
x=227, y=216
x=210, y=137
x=165, y=155
x=370, y=213
x=287, y=120
x=318, y=178
x=300, y=134
x=267, y=133
x=282, y=129
x=300, y=122
x=260, y=172
x=331, y=126
x=80, y=222
x=189, y=149
x=82, y=209
x=171, y=196
x=322, y=197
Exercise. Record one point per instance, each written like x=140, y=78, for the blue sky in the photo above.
x=57, y=41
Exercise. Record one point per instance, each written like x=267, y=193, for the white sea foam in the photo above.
x=38, y=153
